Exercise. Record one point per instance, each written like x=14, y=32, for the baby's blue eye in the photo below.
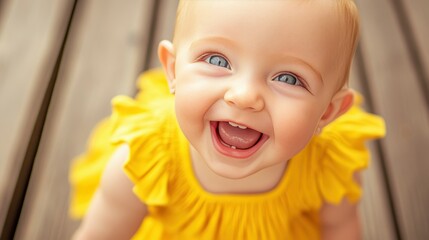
x=288, y=78
x=217, y=61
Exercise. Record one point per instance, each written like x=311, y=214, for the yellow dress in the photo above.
x=160, y=167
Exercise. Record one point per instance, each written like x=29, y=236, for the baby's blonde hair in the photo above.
x=349, y=26
x=350, y=31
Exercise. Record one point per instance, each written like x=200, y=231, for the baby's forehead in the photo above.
x=343, y=13
x=191, y=13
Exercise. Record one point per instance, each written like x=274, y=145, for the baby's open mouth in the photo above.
x=236, y=140
x=237, y=136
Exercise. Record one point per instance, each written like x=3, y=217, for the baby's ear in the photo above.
x=167, y=58
x=340, y=103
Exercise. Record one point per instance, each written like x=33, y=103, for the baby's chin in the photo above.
x=231, y=172
x=236, y=172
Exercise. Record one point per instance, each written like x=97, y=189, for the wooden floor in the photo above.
x=61, y=61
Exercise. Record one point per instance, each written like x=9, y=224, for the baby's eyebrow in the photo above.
x=214, y=40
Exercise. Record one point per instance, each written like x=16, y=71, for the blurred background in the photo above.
x=61, y=62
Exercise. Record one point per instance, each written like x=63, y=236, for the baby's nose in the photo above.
x=245, y=96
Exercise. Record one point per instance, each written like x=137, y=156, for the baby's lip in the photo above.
x=232, y=151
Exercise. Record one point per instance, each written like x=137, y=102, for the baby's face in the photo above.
x=254, y=78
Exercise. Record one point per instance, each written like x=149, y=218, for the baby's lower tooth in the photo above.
x=233, y=147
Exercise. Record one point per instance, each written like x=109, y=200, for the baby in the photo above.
x=247, y=142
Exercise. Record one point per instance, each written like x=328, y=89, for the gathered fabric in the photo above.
x=159, y=165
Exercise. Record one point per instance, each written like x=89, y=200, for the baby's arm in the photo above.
x=341, y=221
x=115, y=212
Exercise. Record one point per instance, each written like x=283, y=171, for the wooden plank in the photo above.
x=31, y=34
x=376, y=215
x=103, y=57
x=374, y=209
x=164, y=28
x=397, y=95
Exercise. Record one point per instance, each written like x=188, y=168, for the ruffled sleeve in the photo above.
x=145, y=127
x=325, y=168
x=143, y=124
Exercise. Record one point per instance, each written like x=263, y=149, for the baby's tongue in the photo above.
x=240, y=138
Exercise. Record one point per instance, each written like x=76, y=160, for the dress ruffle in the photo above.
x=145, y=129
x=86, y=170
x=326, y=168
x=144, y=125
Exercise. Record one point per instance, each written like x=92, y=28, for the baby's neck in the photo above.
x=260, y=182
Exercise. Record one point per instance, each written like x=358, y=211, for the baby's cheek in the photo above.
x=189, y=112
x=295, y=135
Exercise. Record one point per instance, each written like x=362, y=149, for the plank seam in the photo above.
x=18, y=197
